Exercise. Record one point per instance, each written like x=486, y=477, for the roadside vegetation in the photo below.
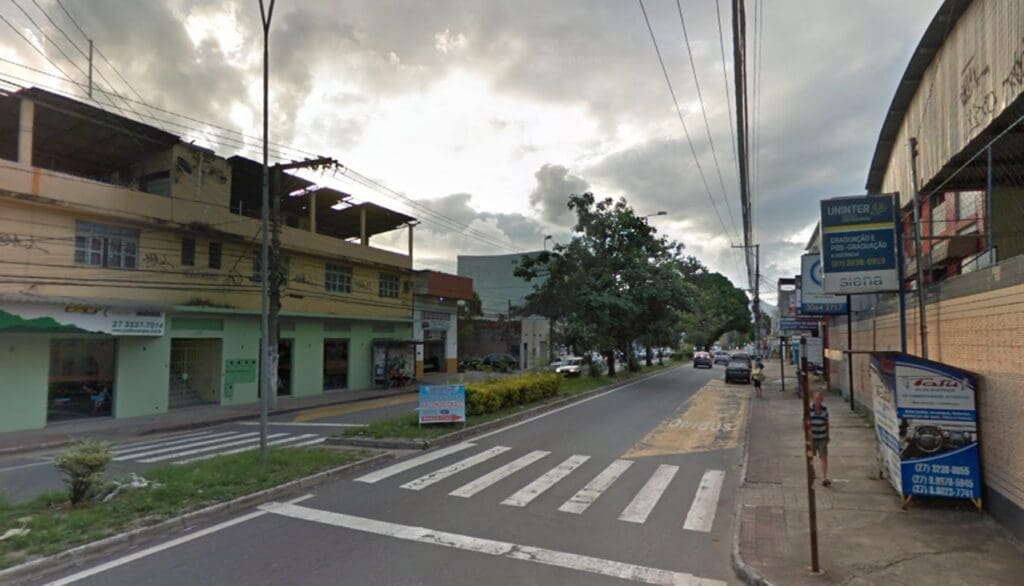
x=50, y=524
x=407, y=426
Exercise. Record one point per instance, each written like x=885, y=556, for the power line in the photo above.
x=679, y=112
x=704, y=113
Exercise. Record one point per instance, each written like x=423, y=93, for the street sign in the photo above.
x=442, y=404
x=813, y=299
x=798, y=324
x=858, y=244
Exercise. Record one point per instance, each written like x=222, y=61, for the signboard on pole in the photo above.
x=927, y=425
x=858, y=245
x=813, y=299
x=442, y=404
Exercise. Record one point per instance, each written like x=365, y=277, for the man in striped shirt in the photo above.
x=820, y=435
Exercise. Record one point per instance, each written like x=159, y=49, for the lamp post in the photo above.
x=546, y=238
x=658, y=213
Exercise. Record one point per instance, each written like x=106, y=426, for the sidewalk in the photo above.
x=110, y=429
x=863, y=535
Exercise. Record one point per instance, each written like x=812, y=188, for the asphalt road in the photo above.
x=636, y=484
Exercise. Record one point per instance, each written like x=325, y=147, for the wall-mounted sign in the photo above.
x=47, y=317
x=813, y=299
x=927, y=425
x=858, y=244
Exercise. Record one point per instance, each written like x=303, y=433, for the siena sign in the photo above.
x=859, y=245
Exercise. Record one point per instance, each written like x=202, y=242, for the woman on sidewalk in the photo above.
x=757, y=375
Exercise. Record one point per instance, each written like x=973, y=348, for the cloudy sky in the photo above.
x=491, y=113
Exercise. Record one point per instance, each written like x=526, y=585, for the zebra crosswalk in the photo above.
x=193, y=447
x=655, y=489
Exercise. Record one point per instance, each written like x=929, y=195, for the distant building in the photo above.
x=495, y=282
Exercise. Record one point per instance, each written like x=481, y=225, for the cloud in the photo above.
x=551, y=196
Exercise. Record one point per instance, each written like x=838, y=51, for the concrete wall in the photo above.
x=975, y=322
x=25, y=364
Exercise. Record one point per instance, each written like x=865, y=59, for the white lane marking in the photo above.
x=302, y=424
x=470, y=488
x=595, y=488
x=164, y=546
x=645, y=500
x=246, y=448
x=531, y=491
x=404, y=465
x=153, y=442
x=21, y=466
x=548, y=557
x=222, y=437
x=702, y=512
x=214, y=448
x=453, y=469
x=311, y=442
x=571, y=405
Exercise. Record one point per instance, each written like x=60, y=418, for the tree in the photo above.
x=717, y=307
x=615, y=281
x=469, y=314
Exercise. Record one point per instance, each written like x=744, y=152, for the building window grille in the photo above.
x=188, y=252
x=215, y=255
x=389, y=285
x=103, y=245
x=337, y=279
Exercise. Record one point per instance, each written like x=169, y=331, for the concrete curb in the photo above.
x=423, y=444
x=743, y=570
x=185, y=426
x=90, y=551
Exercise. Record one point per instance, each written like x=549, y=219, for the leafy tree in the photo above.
x=717, y=307
x=469, y=314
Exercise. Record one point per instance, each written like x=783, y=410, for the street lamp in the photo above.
x=658, y=213
x=546, y=238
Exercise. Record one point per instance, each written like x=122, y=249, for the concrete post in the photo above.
x=26, y=122
x=363, y=238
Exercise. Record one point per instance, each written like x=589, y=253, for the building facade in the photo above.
x=130, y=281
x=436, y=321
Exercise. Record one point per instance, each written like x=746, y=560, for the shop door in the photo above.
x=284, y=365
x=81, y=378
x=335, y=364
x=195, y=372
x=433, y=351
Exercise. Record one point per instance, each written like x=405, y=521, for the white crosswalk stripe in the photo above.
x=589, y=493
x=702, y=512
x=645, y=500
x=531, y=491
x=453, y=469
x=214, y=448
x=174, y=446
x=172, y=441
x=469, y=489
x=277, y=442
x=411, y=463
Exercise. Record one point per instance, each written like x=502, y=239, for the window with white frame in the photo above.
x=389, y=285
x=104, y=245
x=337, y=278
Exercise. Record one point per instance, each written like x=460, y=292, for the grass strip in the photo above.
x=406, y=426
x=55, y=526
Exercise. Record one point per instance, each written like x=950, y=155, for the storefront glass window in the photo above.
x=81, y=378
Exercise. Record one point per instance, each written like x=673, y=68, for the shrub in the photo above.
x=490, y=396
x=82, y=465
x=596, y=369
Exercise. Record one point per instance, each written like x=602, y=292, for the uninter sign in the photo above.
x=858, y=245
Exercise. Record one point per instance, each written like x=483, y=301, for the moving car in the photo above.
x=721, y=357
x=737, y=370
x=571, y=366
x=702, y=359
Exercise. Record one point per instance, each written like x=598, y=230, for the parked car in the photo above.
x=701, y=359
x=501, y=361
x=721, y=357
x=571, y=366
x=744, y=357
x=555, y=364
x=737, y=370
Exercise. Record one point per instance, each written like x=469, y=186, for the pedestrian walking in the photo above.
x=757, y=375
x=820, y=435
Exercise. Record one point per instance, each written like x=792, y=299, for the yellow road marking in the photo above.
x=712, y=419
x=335, y=410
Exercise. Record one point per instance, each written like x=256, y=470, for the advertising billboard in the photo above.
x=927, y=426
x=442, y=404
x=858, y=244
x=813, y=299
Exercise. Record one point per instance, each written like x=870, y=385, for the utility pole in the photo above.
x=922, y=310
x=756, y=291
x=265, y=350
x=812, y=512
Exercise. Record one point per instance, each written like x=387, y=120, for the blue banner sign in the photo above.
x=442, y=404
x=926, y=420
x=858, y=244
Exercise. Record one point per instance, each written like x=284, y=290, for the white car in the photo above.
x=571, y=366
